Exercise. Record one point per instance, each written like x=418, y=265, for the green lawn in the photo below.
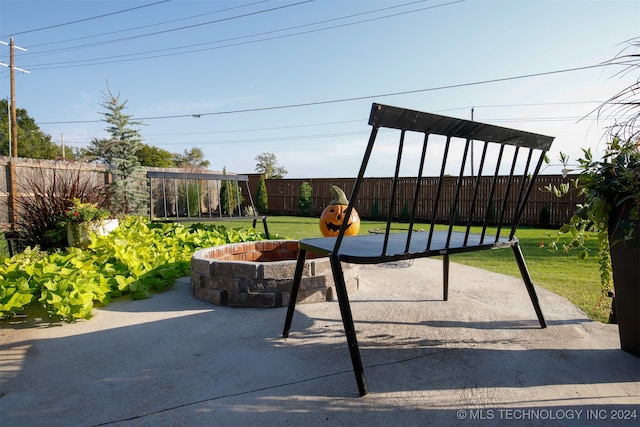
x=577, y=280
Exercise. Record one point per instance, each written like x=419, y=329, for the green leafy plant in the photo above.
x=84, y=212
x=262, y=198
x=136, y=259
x=305, y=199
x=545, y=217
x=608, y=183
x=375, y=207
x=190, y=197
x=44, y=198
x=230, y=195
x=81, y=219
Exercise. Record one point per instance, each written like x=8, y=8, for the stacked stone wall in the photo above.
x=260, y=274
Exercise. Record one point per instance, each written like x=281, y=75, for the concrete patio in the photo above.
x=173, y=360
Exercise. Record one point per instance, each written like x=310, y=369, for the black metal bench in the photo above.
x=490, y=207
x=196, y=196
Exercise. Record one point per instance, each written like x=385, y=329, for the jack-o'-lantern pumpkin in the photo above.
x=334, y=215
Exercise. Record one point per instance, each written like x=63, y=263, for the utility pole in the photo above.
x=12, y=78
x=9, y=123
x=13, y=200
x=14, y=117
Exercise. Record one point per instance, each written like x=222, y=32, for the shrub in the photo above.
x=84, y=212
x=545, y=217
x=230, y=196
x=262, y=198
x=405, y=215
x=375, y=208
x=305, y=198
x=190, y=197
x=43, y=200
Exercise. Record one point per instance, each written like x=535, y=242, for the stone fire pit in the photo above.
x=260, y=274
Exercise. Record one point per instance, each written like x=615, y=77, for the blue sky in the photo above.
x=215, y=58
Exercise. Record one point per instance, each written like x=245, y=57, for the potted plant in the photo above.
x=84, y=218
x=611, y=189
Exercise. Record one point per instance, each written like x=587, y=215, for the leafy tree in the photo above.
x=151, y=156
x=193, y=158
x=262, y=198
x=32, y=142
x=268, y=166
x=119, y=152
x=94, y=151
x=305, y=199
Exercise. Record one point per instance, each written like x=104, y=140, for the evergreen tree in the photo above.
x=262, y=198
x=229, y=191
x=305, y=199
x=128, y=194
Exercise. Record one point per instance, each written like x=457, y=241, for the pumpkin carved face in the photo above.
x=334, y=215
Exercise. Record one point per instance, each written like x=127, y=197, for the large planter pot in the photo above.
x=625, y=263
x=79, y=234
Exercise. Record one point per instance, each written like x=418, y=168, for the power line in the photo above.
x=279, y=139
x=114, y=58
x=150, y=25
x=262, y=129
x=326, y=135
x=359, y=121
x=357, y=98
x=178, y=28
x=532, y=104
x=89, y=19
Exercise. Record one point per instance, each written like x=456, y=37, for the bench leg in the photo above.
x=524, y=271
x=266, y=229
x=297, y=278
x=445, y=277
x=264, y=223
x=347, y=321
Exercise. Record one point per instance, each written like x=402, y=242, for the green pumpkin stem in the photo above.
x=339, y=198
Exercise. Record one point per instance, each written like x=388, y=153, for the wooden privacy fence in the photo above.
x=542, y=209
x=18, y=175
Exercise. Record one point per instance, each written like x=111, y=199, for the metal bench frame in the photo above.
x=210, y=179
x=526, y=151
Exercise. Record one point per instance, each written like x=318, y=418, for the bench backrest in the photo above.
x=197, y=195
x=494, y=170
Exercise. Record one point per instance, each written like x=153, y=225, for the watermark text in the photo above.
x=551, y=414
